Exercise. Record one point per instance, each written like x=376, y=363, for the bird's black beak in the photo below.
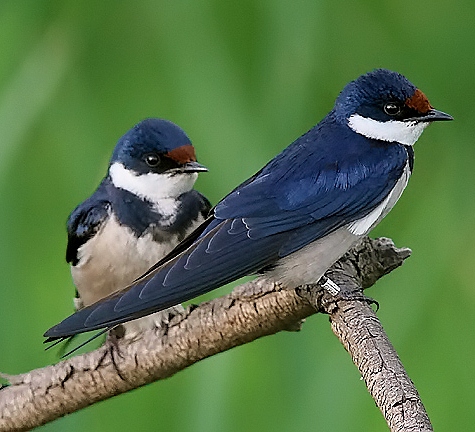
x=433, y=115
x=190, y=167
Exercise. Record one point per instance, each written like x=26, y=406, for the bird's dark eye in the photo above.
x=152, y=159
x=392, y=108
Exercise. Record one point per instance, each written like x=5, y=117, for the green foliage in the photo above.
x=243, y=79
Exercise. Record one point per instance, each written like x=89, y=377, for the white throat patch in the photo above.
x=152, y=186
x=394, y=131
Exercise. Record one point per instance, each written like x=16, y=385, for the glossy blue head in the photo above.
x=370, y=91
x=154, y=160
x=156, y=145
x=385, y=105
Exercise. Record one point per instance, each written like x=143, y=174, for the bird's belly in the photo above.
x=113, y=258
x=307, y=265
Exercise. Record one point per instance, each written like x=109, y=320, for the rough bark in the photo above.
x=253, y=310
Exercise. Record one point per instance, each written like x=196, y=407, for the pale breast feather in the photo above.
x=364, y=225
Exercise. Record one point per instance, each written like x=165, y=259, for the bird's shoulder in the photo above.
x=86, y=219
x=326, y=171
x=194, y=203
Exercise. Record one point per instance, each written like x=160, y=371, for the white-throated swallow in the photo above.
x=141, y=210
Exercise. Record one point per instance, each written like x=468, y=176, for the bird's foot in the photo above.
x=158, y=321
x=340, y=293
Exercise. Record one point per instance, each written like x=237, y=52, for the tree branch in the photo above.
x=255, y=309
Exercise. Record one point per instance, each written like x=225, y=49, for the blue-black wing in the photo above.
x=85, y=220
x=303, y=194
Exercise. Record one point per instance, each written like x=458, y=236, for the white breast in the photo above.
x=103, y=269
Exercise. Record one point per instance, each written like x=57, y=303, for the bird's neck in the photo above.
x=403, y=132
x=152, y=187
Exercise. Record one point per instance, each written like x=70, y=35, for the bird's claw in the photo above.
x=339, y=293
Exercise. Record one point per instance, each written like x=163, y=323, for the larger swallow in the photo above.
x=300, y=213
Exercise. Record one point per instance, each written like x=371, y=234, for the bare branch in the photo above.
x=361, y=333
x=253, y=310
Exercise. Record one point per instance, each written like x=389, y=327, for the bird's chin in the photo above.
x=404, y=132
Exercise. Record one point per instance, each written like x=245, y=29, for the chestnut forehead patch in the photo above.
x=183, y=154
x=419, y=102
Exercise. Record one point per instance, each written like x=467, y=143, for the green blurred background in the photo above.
x=244, y=79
